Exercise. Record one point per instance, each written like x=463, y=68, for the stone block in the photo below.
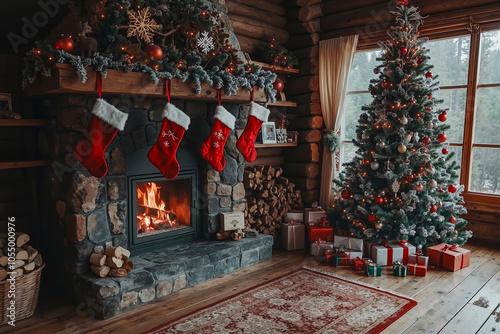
x=196, y=109
x=225, y=202
x=120, y=240
x=75, y=227
x=265, y=253
x=179, y=283
x=213, y=205
x=166, y=271
x=233, y=108
x=212, y=223
x=136, y=279
x=139, y=137
x=200, y=274
x=249, y=257
x=210, y=188
x=109, y=308
x=117, y=188
x=212, y=176
x=155, y=113
x=86, y=193
x=238, y=192
x=224, y=189
x=216, y=250
x=105, y=287
x=117, y=213
x=74, y=119
x=227, y=266
x=146, y=295
x=117, y=163
x=151, y=135
x=72, y=100
x=240, y=124
x=187, y=258
x=198, y=132
x=229, y=175
x=164, y=288
x=254, y=243
x=230, y=147
x=142, y=103
x=239, y=207
x=97, y=227
x=135, y=120
x=127, y=144
x=80, y=268
x=128, y=299
x=241, y=168
x=244, y=111
x=83, y=250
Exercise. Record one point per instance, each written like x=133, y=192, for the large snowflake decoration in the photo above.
x=142, y=25
x=206, y=43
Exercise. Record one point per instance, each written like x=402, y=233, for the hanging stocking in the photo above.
x=213, y=148
x=246, y=142
x=163, y=153
x=105, y=123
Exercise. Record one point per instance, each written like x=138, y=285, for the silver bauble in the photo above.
x=403, y=120
x=379, y=225
x=374, y=165
x=433, y=184
x=402, y=148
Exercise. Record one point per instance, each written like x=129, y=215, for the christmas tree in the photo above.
x=402, y=183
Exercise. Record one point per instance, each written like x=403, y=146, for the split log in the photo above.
x=21, y=239
x=304, y=152
x=4, y=260
x=38, y=260
x=98, y=259
x=306, y=123
x=236, y=8
x=309, y=136
x=21, y=254
x=125, y=254
x=114, y=262
x=18, y=264
x=101, y=271
x=18, y=272
x=128, y=265
x=303, y=41
x=3, y=274
x=302, y=85
x=302, y=169
x=118, y=252
x=308, y=109
x=32, y=252
x=308, y=13
x=115, y=272
x=29, y=267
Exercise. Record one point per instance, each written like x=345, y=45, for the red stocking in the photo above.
x=163, y=153
x=105, y=123
x=213, y=148
x=246, y=142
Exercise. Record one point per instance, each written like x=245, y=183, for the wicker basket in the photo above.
x=27, y=288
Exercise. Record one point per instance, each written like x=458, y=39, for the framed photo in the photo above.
x=268, y=133
x=5, y=103
x=281, y=136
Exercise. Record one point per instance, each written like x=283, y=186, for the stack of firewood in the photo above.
x=26, y=258
x=114, y=262
x=269, y=197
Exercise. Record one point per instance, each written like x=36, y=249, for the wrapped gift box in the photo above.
x=329, y=256
x=313, y=216
x=399, y=269
x=358, y=264
x=373, y=269
x=293, y=235
x=319, y=247
x=417, y=269
x=416, y=258
x=348, y=243
x=295, y=215
x=315, y=233
x=449, y=257
x=341, y=260
x=386, y=254
x=352, y=254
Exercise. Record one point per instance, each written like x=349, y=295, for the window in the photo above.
x=469, y=82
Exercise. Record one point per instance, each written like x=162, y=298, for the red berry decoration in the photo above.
x=428, y=75
x=409, y=178
x=64, y=43
x=426, y=140
x=403, y=50
x=278, y=85
x=441, y=137
x=429, y=96
x=372, y=217
x=452, y=188
x=442, y=117
x=445, y=150
x=419, y=60
x=402, y=2
x=345, y=193
x=453, y=220
x=433, y=208
x=379, y=200
x=384, y=84
x=154, y=51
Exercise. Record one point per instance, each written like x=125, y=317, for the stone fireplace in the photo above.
x=172, y=241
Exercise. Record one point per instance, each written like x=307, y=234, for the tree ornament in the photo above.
x=419, y=187
x=426, y=140
x=205, y=42
x=373, y=92
x=428, y=75
x=395, y=186
x=154, y=51
x=452, y=188
x=429, y=125
x=445, y=150
x=429, y=96
x=441, y=137
x=378, y=225
x=345, y=193
x=402, y=2
x=384, y=84
x=409, y=178
x=453, y=220
x=402, y=148
x=432, y=184
x=403, y=120
x=442, y=117
x=379, y=200
x=64, y=43
x=419, y=60
x=433, y=208
x=374, y=165
x=403, y=50
x=440, y=204
x=142, y=25
x=372, y=217
x=279, y=85
x=381, y=143
x=412, y=101
x=441, y=191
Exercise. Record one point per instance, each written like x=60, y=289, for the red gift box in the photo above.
x=449, y=257
x=358, y=264
x=417, y=269
x=329, y=256
x=315, y=233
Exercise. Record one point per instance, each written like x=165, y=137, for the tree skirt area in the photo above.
x=303, y=301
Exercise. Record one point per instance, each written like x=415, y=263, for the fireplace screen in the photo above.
x=163, y=206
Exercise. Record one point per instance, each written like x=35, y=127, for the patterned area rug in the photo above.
x=304, y=301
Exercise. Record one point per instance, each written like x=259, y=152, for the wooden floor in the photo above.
x=466, y=301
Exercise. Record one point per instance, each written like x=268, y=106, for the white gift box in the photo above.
x=414, y=258
x=390, y=253
x=348, y=243
x=295, y=216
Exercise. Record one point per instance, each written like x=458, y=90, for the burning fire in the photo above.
x=152, y=213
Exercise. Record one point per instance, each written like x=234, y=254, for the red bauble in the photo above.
x=433, y=208
x=428, y=109
x=442, y=117
x=452, y=188
x=426, y=140
x=372, y=217
x=428, y=75
x=445, y=150
x=403, y=50
x=373, y=92
x=429, y=96
x=154, y=51
x=64, y=43
x=409, y=178
x=402, y=2
x=441, y=137
x=379, y=200
x=453, y=220
x=419, y=60
x=278, y=85
x=441, y=191
x=345, y=193
x=384, y=84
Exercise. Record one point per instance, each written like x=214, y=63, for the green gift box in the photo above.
x=399, y=269
x=373, y=269
x=341, y=260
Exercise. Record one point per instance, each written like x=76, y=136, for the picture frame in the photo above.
x=281, y=136
x=5, y=103
x=268, y=133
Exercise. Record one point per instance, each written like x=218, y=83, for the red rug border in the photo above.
x=378, y=329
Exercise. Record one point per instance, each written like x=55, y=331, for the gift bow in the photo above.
x=319, y=241
x=453, y=248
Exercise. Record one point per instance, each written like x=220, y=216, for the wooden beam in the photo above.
x=298, y=27
x=235, y=8
x=308, y=13
x=304, y=153
x=305, y=123
x=262, y=5
x=257, y=28
x=302, y=41
x=249, y=45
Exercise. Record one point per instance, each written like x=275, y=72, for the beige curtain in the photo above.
x=335, y=59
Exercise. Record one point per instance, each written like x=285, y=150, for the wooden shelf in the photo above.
x=24, y=122
x=276, y=69
x=24, y=164
x=275, y=145
x=282, y=104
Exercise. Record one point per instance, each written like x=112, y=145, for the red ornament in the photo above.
x=278, y=85
x=379, y=200
x=373, y=92
x=442, y=117
x=419, y=60
x=429, y=96
x=428, y=75
x=412, y=101
x=452, y=188
x=433, y=208
x=445, y=150
x=426, y=140
x=403, y=50
x=345, y=193
x=64, y=43
x=453, y=220
x=441, y=137
x=409, y=178
x=372, y=217
x=384, y=84
x=441, y=191
x=154, y=51
x=428, y=109
x=402, y=2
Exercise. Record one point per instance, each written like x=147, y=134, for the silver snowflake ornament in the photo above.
x=206, y=43
x=216, y=144
x=219, y=135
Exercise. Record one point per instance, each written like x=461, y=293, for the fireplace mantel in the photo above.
x=66, y=81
